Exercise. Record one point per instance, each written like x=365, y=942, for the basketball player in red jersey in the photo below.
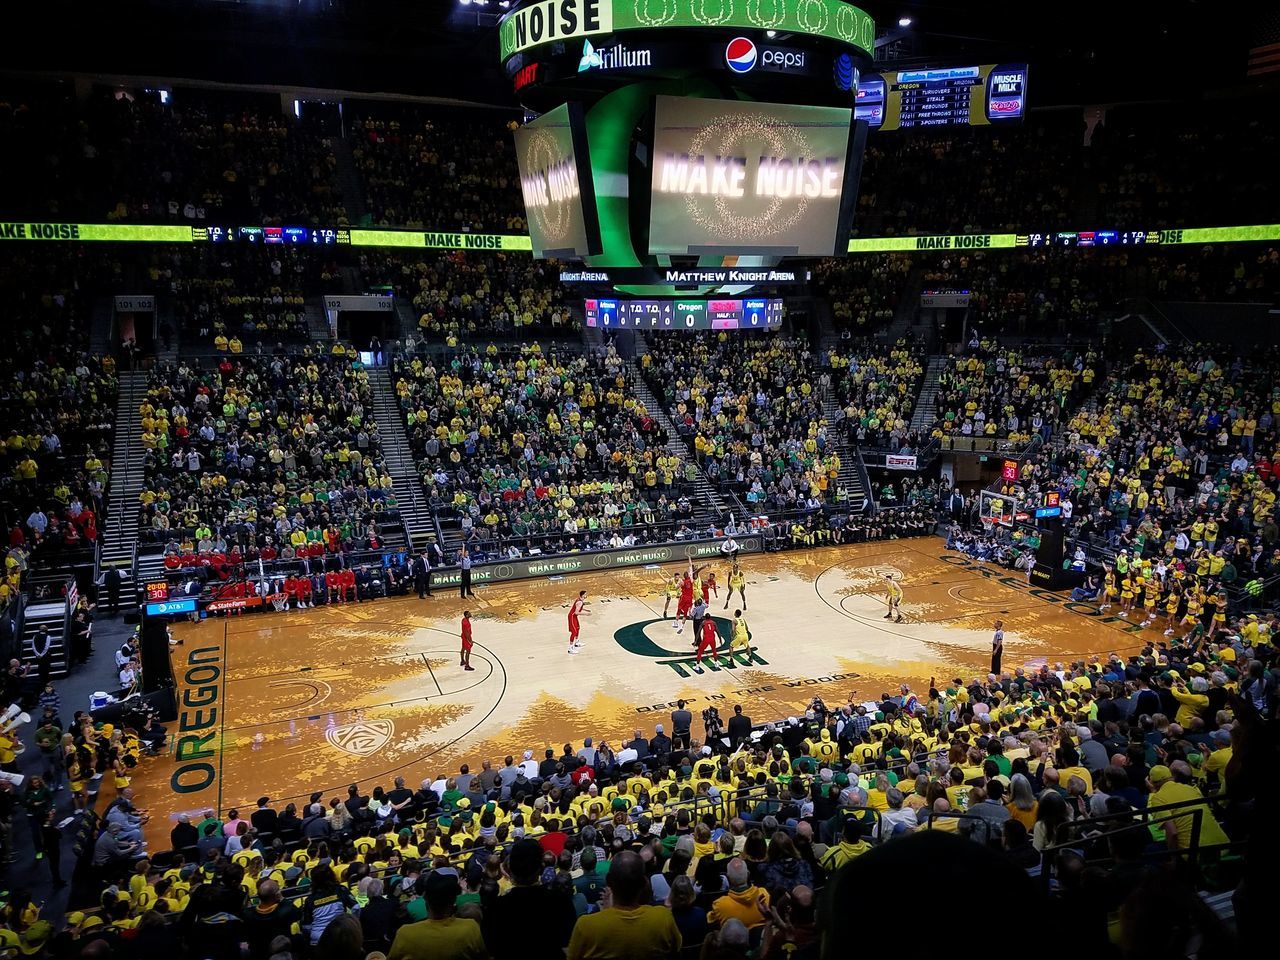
x=686, y=596
x=465, y=662
x=575, y=611
x=709, y=587
x=710, y=640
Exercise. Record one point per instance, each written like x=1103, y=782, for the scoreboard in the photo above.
x=951, y=96
x=749, y=314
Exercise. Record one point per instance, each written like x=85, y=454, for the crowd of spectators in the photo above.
x=274, y=457
x=1010, y=393
x=533, y=450
x=1049, y=292
x=750, y=409
x=1173, y=466
x=750, y=839
x=970, y=179
x=59, y=409
x=459, y=295
x=863, y=291
x=876, y=388
x=1214, y=274
x=246, y=293
x=210, y=158
x=440, y=170
x=1155, y=165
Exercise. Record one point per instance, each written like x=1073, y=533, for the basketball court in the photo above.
x=313, y=700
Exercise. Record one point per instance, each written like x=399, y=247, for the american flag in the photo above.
x=1264, y=57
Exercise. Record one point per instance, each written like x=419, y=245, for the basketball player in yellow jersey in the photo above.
x=895, y=599
x=741, y=638
x=737, y=581
x=673, y=593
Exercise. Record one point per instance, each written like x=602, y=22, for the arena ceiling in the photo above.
x=1083, y=52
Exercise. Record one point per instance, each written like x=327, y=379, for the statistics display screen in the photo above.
x=749, y=314
x=754, y=178
x=555, y=179
x=951, y=96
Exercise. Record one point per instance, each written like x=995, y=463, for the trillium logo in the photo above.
x=590, y=58
x=740, y=55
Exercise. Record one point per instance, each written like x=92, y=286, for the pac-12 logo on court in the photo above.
x=361, y=738
x=638, y=638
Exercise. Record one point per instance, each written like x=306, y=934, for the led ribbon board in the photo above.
x=120, y=232
x=550, y=21
x=519, y=243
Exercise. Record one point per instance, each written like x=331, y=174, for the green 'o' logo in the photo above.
x=634, y=638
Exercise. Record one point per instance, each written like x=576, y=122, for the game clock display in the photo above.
x=748, y=314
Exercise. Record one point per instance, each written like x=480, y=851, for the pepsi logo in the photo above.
x=1006, y=106
x=740, y=55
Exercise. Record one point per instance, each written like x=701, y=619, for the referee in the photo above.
x=464, y=561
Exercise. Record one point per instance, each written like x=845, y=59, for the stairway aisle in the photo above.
x=927, y=402
x=399, y=459
x=852, y=476
x=349, y=182
x=120, y=534
x=904, y=317
x=709, y=507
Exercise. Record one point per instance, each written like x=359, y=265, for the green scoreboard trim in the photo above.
x=549, y=21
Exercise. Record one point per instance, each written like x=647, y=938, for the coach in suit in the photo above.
x=739, y=726
x=422, y=575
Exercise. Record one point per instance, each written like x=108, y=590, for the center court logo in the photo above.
x=361, y=738
x=635, y=639
x=740, y=55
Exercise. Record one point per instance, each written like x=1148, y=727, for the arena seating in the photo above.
x=439, y=169
x=864, y=291
x=245, y=295
x=876, y=389
x=1026, y=775
x=258, y=454
x=459, y=295
x=1008, y=394
x=750, y=409
x=1099, y=798
x=59, y=408
x=539, y=451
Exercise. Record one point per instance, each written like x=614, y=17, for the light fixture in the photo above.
x=904, y=21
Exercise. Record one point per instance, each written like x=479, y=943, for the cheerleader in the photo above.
x=1110, y=591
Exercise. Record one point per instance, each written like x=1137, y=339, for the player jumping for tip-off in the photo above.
x=737, y=581
x=576, y=610
x=688, y=585
x=895, y=600
x=673, y=593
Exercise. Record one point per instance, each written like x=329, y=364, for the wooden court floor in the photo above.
x=290, y=703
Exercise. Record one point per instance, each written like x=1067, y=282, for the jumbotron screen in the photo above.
x=733, y=177
x=555, y=179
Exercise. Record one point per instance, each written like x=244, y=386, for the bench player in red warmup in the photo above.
x=575, y=611
x=465, y=661
x=709, y=641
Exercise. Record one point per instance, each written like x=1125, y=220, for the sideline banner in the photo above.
x=530, y=567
